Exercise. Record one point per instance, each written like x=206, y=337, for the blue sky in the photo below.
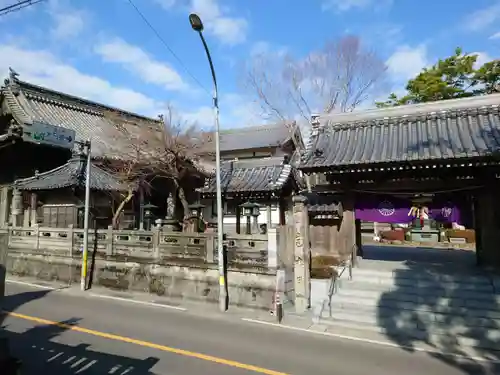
x=102, y=50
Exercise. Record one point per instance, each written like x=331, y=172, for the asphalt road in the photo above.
x=59, y=333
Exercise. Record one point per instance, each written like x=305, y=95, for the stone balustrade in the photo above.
x=155, y=245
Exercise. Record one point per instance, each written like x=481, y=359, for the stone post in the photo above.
x=272, y=248
x=71, y=238
x=4, y=206
x=210, y=256
x=156, y=242
x=301, y=252
x=17, y=202
x=36, y=234
x=109, y=240
x=33, y=207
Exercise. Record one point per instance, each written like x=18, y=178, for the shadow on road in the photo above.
x=41, y=354
x=441, y=299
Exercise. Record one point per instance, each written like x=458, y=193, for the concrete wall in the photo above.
x=246, y=289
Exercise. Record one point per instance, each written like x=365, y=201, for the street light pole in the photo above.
x=197, y=26
x=85, y=252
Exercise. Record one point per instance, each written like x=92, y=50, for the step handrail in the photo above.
x=338, y=271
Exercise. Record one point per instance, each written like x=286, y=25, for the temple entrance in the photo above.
x=417, y=227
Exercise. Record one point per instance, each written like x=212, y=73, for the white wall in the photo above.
x=230, y=220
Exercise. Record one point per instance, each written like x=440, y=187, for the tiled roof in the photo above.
x=253, y=137
x=73, y=173
x=452, y=129
x=29, y=103
x=253, y=176
x=321, y=206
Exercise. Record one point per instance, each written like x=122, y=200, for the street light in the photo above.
x=197, y=25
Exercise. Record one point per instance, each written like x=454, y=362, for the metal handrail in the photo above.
x=338, y=272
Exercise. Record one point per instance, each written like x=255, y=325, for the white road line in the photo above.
x=102, y=296
x=138, y=302
x=369, y=341
x=31, y=284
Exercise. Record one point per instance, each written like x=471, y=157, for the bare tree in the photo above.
x=182, y=145
x=144, y=151
x=338, y=78
x=128, y=158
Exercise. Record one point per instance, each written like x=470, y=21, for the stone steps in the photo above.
x=421, y=318
x=461, y=310
x=460, y=297
x=477, y=338
x=390, y=279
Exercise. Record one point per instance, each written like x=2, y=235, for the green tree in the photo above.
x=450, y=78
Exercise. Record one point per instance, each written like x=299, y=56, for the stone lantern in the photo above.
x=196, y=209
x=250, y=210
x=148, y=214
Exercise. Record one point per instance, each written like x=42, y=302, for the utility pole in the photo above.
x=18, y=5
x=85, y=252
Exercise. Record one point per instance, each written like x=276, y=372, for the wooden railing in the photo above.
x=155, y=245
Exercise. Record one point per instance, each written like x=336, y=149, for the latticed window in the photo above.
x=59, y=216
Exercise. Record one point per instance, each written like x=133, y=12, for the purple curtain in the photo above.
x=384, y=209
x=394, y=210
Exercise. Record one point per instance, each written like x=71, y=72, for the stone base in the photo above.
x=246, y=289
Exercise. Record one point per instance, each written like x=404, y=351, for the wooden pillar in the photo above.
x=359, y=238
x=238, y=217
x=477, y=229
x=269, y=216
x=282, y=208
x=302, y=254
x=488, y=233
x=347, y=231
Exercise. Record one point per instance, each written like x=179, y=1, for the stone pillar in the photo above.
x=4, y=206
x=302, y=281
x=17, y=202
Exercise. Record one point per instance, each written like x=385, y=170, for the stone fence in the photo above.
x=172, y=264
x=243, y=251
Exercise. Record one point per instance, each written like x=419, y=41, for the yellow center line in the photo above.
x=147, y=344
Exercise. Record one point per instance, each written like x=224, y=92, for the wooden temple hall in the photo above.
x=263, y=187
x=430, y=169
x=42, y=129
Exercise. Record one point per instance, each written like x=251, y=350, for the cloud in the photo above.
x=236, y=111
x=139, y=62
x=495, y=36
x=44, y=68
x=229, y=30
x=483, y=18
x=482, y=58
x=265, y=48
x=347, y=5
x=166, y=4
x=69, y=22
x=406, y=62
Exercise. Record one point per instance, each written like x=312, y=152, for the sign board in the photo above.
x=51, y=135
